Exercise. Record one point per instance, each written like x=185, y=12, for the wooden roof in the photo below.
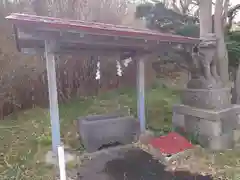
x=74, y=35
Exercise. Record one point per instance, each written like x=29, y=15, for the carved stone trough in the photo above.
x=97, y=131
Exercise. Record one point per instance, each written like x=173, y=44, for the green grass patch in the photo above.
x=26, y=137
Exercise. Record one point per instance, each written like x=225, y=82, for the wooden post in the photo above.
x=61, y=163
x=53, y=97
x=141, y=93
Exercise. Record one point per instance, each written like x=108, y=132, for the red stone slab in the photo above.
x=170, y=144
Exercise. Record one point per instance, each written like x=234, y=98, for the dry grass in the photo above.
x=23, y=77
x=219, y=165
x=25, y=140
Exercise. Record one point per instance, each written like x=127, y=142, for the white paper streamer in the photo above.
x=98, y=75
x=119, y=69
x=127, y=61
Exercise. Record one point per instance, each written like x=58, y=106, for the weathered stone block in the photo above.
x=236, y=136
x=213, y=128
x=217, y=143
x=202, y=126
x=196, y=112
x=211, y=115
x=178, y=120
x=207, y=98
x=96, y=131
x=230, y=122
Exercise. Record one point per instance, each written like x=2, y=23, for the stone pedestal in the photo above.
x=208, y=116
x=206, y=111
x=207, y=98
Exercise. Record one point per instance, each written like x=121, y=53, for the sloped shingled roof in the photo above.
x=31, y=31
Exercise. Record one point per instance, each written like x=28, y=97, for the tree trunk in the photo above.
x=205, y=13
x=236, y=88
x=233, y=78
x=222, y=54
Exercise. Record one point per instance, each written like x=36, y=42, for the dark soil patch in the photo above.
x=130, y=164
x=106, y=146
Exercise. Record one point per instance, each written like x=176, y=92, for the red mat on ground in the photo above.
x=171, y=144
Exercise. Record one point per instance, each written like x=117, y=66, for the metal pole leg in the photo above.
x=53, y=97
x=141, y=93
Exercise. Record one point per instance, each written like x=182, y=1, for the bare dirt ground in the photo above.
x=130, y=163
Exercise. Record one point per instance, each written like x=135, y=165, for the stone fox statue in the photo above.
x=204, y=63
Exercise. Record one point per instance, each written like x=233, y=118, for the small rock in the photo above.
x=146, y=137
x=51, y=158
